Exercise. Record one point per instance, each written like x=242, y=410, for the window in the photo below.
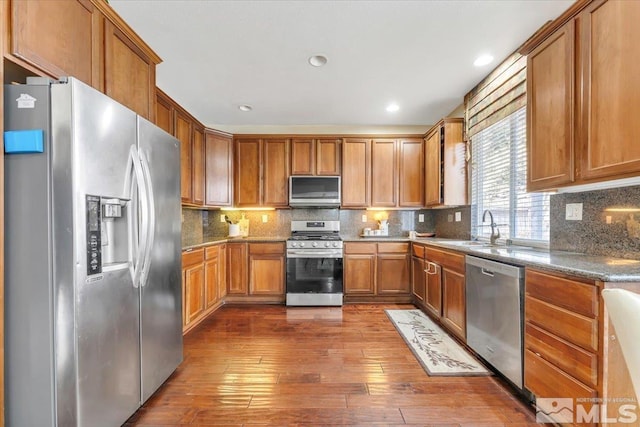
x=499, y=184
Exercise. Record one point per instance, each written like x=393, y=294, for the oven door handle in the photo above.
x=313, y=254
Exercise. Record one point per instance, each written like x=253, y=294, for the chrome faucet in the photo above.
x=495, y=231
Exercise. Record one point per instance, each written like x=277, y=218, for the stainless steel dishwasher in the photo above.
x=494, y=296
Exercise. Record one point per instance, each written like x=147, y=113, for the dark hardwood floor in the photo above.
x=276, y=366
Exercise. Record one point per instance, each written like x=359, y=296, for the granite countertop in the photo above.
x=214, y=240
x=375, y=239
x=606, y=269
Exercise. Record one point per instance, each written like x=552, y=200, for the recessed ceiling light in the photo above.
x=483, y=60
x=317, y=60
x=393, y=107
x=245, y=107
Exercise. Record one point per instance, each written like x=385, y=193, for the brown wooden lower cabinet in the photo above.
x=377, y=272
x=203, y=281
x=433, y=284
x=571, y=350
x=454, y=302
x=256, y=272
x=418, y=289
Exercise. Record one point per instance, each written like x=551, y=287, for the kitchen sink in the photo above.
x=472, y=243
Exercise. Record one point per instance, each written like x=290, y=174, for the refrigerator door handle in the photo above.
x=139, y=245
x=151, y=224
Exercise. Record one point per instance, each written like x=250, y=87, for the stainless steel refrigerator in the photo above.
x=93, y=299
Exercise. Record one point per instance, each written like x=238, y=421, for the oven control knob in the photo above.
x=326, y=244
x=301, y=244
x=335, y=244
x=294, y=244
x=314, y=244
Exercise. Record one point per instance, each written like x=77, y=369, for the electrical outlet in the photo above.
x=222, y=218
x=205, y=219
x=573, y=212
x=608, y=219
x=182, y=216
x=449, y=218
x=420, y=217
x=265, y=218
x=458, y=216
x=364, y=218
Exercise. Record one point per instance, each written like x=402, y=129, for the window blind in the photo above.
x=499, y=183
x=499, y=95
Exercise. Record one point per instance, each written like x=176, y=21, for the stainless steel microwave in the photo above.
x=314, y=191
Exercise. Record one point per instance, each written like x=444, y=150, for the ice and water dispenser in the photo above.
x=107, y=233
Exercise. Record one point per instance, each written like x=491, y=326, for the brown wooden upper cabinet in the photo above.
x=587, y=137
x=88, y=40
x=382, y=172
x=191, y=134
x=261, y=172
x=315, y=156
x=218, y=150
x=445, y=164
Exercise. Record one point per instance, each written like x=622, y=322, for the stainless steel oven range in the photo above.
x=314, y=264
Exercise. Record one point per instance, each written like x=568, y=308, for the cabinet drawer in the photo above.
x=546, y=381
x=570, y=294
x=573, y=327
x=211, y=252
x=418, y=250
x=193, y=257
x=451, y=260
x=577, y=362
x=266, y=248
x=359, y=248
x=397, y=248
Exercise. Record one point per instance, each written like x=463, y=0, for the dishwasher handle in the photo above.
x=487, y=272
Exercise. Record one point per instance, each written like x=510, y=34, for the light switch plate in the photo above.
x=222, y=218
x=205, y=219
x=420, y=217
x=608, y=219
x=573, y=212
x=265, y=218
x=364, y=218
x=458, y=216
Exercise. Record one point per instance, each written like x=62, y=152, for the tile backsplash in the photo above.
x=610, y=223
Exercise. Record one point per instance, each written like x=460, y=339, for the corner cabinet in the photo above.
x=261, y=170
x=584, y=98
x=446, y=164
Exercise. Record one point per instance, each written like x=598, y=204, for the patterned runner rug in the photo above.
x=436, y=351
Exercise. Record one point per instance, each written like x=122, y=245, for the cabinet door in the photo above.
x=327, y=157
x=550, y=103
x=454, y=164
x=355, y=172
x=275, y=172
x=609, y=37
x=418, y=279
x=266, y=275
x=247, y=186
x=359, y=274
x=198, y=166
x=303, y=157
x=433, y=301
x=183, y=133
x=411, y=173
x=62, y=37
x=129, y=74
x=393, y=276
x=433, y=169
x=164, y=113
x=453, y=302
x=237, y=268
x=194, y=293
x=218, y=169
x=384, y=176
x=222, y=274
x=212, y=281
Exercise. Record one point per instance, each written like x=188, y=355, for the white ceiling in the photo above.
x=218, y=55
